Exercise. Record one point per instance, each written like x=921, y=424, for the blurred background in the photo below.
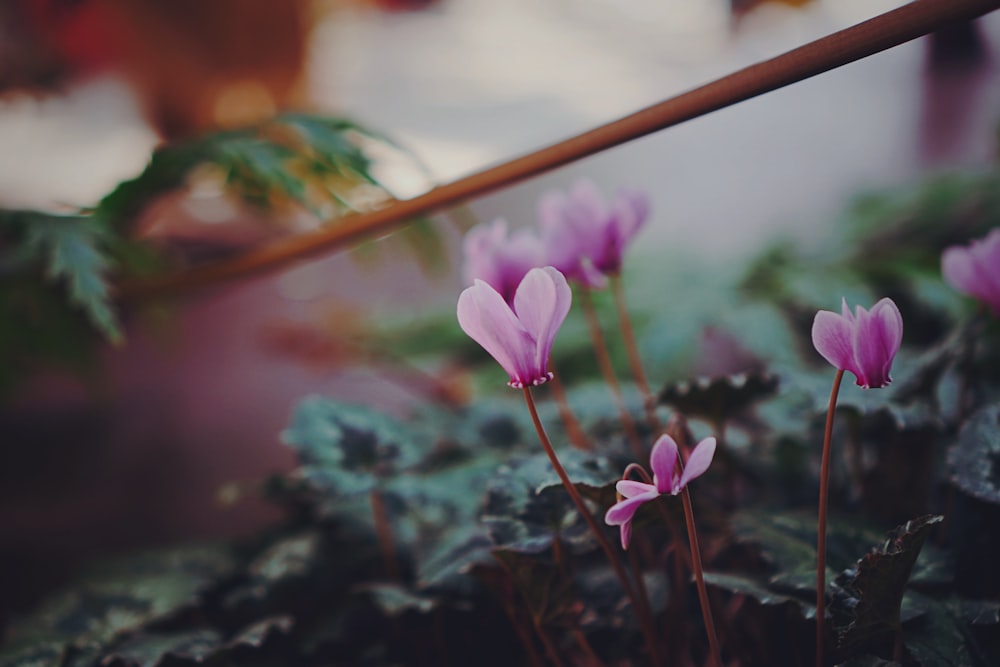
x=136, y=451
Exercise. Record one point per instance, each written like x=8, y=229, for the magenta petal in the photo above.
x=877, y=335
x=831, y=336
x=698, y=462
x=623, y=511
x=541, y=303
x=663, y=460
x=631, y=489
x=488, y=320
x=626, y=534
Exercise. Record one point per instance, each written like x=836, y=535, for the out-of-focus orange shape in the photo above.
x=195, y=64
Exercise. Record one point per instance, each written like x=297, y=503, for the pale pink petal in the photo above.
x=831, y=336
x=488, y=320
x=698, y=462
x=588, y=201
x=622, y=512
x=541, y=304
x=629, y=488
x=663, y=460
x=960, y=271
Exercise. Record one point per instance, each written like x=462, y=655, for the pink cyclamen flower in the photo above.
x=584, y=236
x=864, y=343
x=975, y=269
x=520, y=337
x=666, y=479
x=499, y=259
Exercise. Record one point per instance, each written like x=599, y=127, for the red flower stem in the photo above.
x=628, y=337
x=665, y=514
x=699, y=578
x=577, y=437
x=608, y=372
x=383, y=530
x=588, y=650
x=642, y=612
x=824, y=492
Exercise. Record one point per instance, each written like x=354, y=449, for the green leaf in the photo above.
x=974, y=459
x=72, y=250
x=874, y=588
x=345, y=450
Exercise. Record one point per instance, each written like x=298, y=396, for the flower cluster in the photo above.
x=581, y=235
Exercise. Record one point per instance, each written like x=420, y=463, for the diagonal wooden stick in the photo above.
x=840, y=48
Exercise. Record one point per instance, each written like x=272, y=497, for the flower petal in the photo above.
x=698, y=462
x=631, y=489
x=876, y=339
x=831, y=336
x=663, y=460
x=541, y=304
x=623, y=511
x=488, y=320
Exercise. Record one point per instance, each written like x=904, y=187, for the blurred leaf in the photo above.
x=719, y=398
x=72, y=250
x=974, y=459
x=344, y=450
x=940, y=638
x=119, y=597
x=395, y=600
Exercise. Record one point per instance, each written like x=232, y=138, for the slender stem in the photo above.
x=608, y=372
x=885, y=31
x=628, y=337
x=699, y=578
x=645, y=620
x=824, y=492
x=574, y=431
x=897, y=644
x=383, y=530
x=588, y=650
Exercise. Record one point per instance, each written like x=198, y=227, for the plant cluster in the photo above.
x=485, y=534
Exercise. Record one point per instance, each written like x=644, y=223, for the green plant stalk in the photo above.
x=608, y=372
x=642, y=612
x=824, y=492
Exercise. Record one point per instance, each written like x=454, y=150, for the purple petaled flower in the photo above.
x=519, y=338
x=584, y=237
x=975, y=269
x=498, y=259
x=666, y=479
x=864, y=343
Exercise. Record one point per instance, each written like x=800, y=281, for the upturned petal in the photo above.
x=630, y=488
x=488, y=320
x=502, y=260
x=541, y=304
x=698, y=462
x=663, y=460
x=831, y=336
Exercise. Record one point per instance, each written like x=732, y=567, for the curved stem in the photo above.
x=635, y=363
x=824, y=492
x=645, y=620
x=608, y=372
